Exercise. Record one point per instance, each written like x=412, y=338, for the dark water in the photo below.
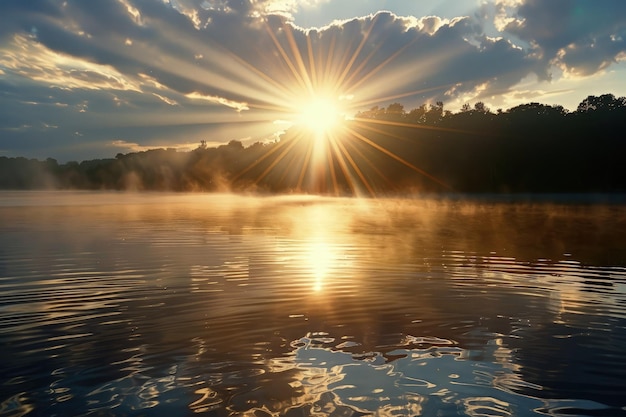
x=174, y=305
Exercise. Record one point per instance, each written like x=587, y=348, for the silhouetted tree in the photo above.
x=395, y=112
x=481, y=107
x=418, y=115
x=434, y=113
x=529, y=148
x=605, y=102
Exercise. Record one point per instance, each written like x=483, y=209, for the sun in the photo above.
x=323, y=145
x=320, y=115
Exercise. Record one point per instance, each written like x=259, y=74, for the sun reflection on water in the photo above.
x=296, y=305
x=321, y=261
x=320, y=232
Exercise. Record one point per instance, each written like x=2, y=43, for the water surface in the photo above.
x=116, y=304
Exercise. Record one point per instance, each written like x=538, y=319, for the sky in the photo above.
x=83, y=80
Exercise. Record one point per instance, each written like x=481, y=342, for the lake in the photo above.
x=148, y=304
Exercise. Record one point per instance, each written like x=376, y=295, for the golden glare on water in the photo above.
x=324, y=249
x=282, y=305
x=322, y=261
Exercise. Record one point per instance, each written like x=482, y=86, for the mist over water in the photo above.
x=155, y=304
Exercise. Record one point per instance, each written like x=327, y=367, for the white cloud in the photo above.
x=167, y=100
x=27, y=58
x=132, y=11
x=135, y=147
x=286, y=8
x=504, y=10
x=239, y=106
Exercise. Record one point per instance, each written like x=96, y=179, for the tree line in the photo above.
x=530, y=148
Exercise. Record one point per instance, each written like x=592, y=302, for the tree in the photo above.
x=373, y=113
x=417, y=115
x=606, y=102
x=435, y=113
x=395, y=112
x=481, y=107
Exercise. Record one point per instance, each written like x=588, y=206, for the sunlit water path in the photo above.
x=182, y=304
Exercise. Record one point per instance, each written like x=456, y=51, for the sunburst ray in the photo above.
x=312, y=155
x=399, y=159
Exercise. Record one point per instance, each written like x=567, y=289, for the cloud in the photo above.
x=580, y=37
x=139, y=69
x=135, y=147
x=165, y=99
x=286, y=8
x=218, y=100
x=31, y=60
x=427, y=58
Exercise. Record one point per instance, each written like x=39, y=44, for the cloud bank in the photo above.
x=76, y=76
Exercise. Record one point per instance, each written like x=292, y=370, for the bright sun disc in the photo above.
x=319, y=115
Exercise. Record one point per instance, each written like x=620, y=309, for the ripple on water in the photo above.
x=177, y=305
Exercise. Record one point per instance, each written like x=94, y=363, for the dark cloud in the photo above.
x=581, y=36
x=440, y=57
x=22, y=16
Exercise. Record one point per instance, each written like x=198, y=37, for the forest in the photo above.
x=530, y=148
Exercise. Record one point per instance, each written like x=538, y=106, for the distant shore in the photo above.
x=532, y=149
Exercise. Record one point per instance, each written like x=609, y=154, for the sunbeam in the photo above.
x=312, y=83
x=323, y=84
x=399, y=159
